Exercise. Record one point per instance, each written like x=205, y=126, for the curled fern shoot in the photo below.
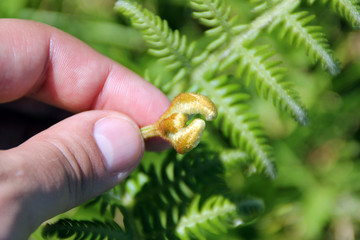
x=294, y=26
x=164, y=43
x=172, y=125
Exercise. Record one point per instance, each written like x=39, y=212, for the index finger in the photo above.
x=45, y=63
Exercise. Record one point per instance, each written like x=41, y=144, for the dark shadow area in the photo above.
x=24, y=118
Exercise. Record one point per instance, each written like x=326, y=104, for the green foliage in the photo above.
x=232, y=51
x=164, y=43
x=242, y=129
x=216, y=216
x=66, y=228
x=294, y=27
x=216, y=15
x=173, y=186
x=349, y=9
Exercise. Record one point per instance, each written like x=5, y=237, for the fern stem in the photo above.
x=261, y=22
x=253, y=30
x=149, y=131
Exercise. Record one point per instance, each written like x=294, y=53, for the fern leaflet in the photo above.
x=268, y=75
x=177, y=180
x=216, y=15
x=69, y=228
x=216, y=216
x=242, y=128
x=348, y=9
x=164, y=43
x=269, y=80
x=294, y=25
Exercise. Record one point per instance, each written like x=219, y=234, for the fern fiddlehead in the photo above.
x=172, y=125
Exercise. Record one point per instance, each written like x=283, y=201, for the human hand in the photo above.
x=84, y=155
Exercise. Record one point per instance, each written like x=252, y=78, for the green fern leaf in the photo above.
x=216, y=216
x=268, y=75
x=83, y=229
x=274, y=8
x=269, y=80
x=216, y=15
x=235, y=159
x=294, y=26
x=241, y=127
x=263, y=5
x=348, y=9
x=122, y=195
x=176, y=180
x=169, y=46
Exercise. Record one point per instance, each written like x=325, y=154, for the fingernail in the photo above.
x=120, y=143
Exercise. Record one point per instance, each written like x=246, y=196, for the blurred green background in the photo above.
x=317, y=192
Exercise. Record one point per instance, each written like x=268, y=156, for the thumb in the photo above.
x=64, y=166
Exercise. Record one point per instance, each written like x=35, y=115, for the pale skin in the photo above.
x=67, y=164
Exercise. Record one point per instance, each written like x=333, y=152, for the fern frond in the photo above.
x=269, y=80
x=274, y=8
x=348, y=9
x=155, y=223
x=241, y=127
x=171, y=188
x=176, y=180
x=235, y=159
x=122, y=195
x=268, y=75
x=294, y=26
x=262, y=5
x=216, y=216
x=215, y=15
x=169, y=46
x=83, y=229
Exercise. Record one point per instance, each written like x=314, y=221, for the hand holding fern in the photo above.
x=84, y=155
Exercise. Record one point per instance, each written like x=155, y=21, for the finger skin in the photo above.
x=45, y=63
x=53, y=172
x=63, y=166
